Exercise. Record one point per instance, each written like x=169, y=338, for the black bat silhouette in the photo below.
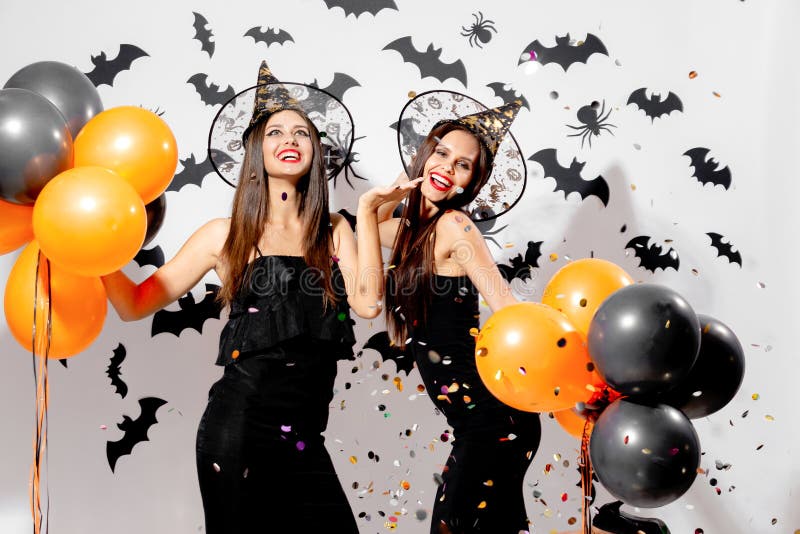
x=339, y=86
x=193, y=172
x=113, y=371
x=428, y=61
x=191, y=315
x=706, y=170
x=507, y=95
x=408, y=135
x=203, y=34
x=724, y=249
x=359, y=7
x=521, y=267
x=650, y=256
x=135, y=430
x=381, y=343
x=654, y=107
x=272, y=35
x=210, y=93
x=563, y=53
x=568, y=179
x=106, y=70
x=151, y=256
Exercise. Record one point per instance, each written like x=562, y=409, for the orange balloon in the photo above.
x=77, y=304
x=89, y=221
x=133, y=142
x=16, y=227
x=572, y=422
x=532, y=358
x=578, y=289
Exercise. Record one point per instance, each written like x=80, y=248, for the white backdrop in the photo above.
x=742, y=105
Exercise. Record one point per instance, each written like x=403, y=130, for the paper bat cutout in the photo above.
x=113, y=372
x=408, y=135
x=568, y=179
x=507, y=95
x=191, y=315
x=106, y=70
x=706, y=171
x=270, y=36
x=151, y=256
x=135, y=430
x=650, y=256
x=210, y=93
x=521, y=268
x=193, y=172
x=653, y=106
x=359, y=7
x=203, y=34
x=563, y=53
x=380, y=342
x=340, y=84
x=428, y=61
x=724, y=250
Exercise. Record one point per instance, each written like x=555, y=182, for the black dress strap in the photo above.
x=259, y=251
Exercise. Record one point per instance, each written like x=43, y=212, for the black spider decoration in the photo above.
x=346, y=163
x=480, y=31
x=593, y=122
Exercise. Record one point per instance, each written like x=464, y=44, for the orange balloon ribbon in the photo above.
x=41, y=351
x=17, y=226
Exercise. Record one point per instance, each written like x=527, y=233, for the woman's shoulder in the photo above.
x=454, y=222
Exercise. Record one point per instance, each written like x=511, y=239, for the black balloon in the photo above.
x=155, y=211
x=645, y=455
x=69, y=90
x=716, y=375
x=644, y=339
x=35, y=144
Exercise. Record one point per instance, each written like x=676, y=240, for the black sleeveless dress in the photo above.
x=261, y=459
x=481, y=489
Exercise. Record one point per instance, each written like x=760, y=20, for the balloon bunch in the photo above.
x=74, y=182
x=623, y=367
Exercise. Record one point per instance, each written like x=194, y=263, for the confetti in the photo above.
x=216, y=467
x=692, y=75
x=482, y=351
x=755, y=396
x=412, y=94
x=252, y=310
x=353, y=460
x=482, y=505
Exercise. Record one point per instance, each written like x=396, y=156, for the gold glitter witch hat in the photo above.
x=237, y=117
x=490, y=125
x=271, y=96
x=427, y=110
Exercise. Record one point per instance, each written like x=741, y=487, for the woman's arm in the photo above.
x=361, y=262
x=458, y=234
x=174, y=279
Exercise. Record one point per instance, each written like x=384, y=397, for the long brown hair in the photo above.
x=251, y=213
x=408, y=283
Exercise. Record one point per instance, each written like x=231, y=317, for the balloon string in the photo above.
x=40, y=519
x=586, y=476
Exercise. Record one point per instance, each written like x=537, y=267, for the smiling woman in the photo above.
x=289, y=271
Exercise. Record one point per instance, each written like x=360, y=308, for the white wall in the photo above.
x=744, y=50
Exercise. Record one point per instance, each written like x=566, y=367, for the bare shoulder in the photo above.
x=454, y=225
x=212, y=235
x=338, y=221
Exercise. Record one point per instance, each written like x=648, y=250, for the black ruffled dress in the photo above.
x=261, y=458
x=494, y=444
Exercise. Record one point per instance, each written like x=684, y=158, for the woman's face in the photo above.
x=287, y=145
x=451, y=166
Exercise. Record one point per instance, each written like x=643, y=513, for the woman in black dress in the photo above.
x=290, y=273
x=441, y=266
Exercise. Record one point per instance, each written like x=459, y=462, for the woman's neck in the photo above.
x=284, y=203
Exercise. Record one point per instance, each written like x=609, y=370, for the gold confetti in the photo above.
x=716, y=94
x=755, y=396
x=474, y=332
x=489, y=483
x=633, y=187
x=557, y=457
x=412, y=94
x=353, y=460
x=667, y=325
x=553, y=256
x=769, y=418
x=646, y=451
x=482, y=505
x=405, y=484
x=692, y=75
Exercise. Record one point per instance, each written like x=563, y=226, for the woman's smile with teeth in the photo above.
x=289, y=155
x=440, y=183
